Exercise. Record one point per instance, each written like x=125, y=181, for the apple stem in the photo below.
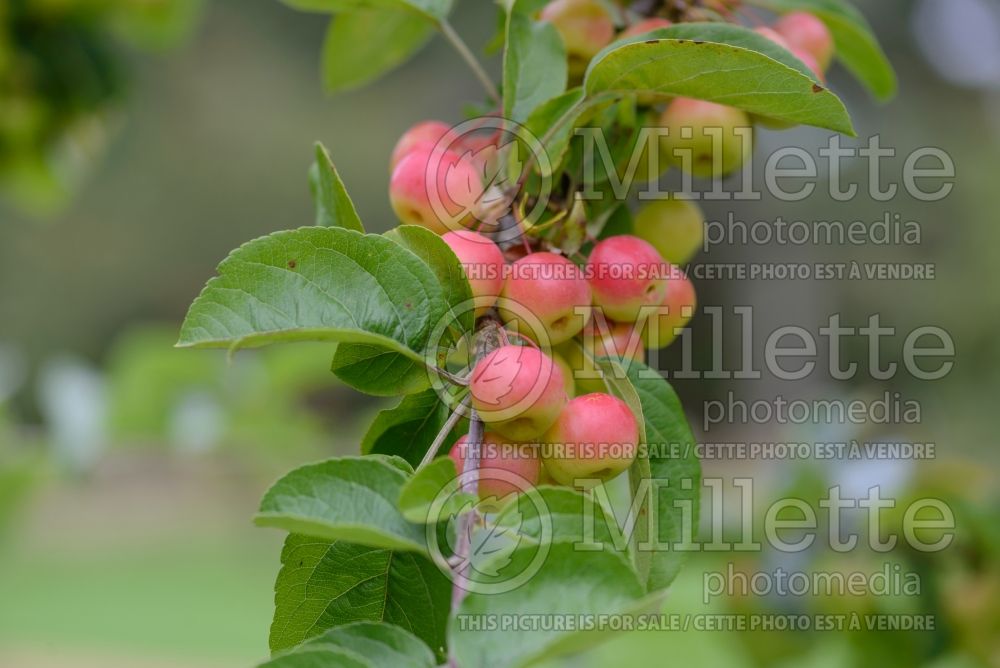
x=470, y=59
x=447, y=375
x=443, y=434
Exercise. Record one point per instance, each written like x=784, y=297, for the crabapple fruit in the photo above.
x=802, y=54
x=709, y=140
x=810, y=61
x=805, y=31
x=582, y=368
x=518, y=391
x=595, y=438
x=600, y=338
x=774, y=36
x=483, y=263
x=613, y=339
x=660, y=328
x=626, y=273
x=674, y=227
x=483, y=150
x=424, y=134
x=547, y=291
x=434, y=189
x=585, y=27
x=569, y=383
x=544, y=478
x=497, y=456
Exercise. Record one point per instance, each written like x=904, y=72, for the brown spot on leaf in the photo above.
x=408, y=305
x=699, y=41
x=293, y=263
x=817, y=88
x=652, y=41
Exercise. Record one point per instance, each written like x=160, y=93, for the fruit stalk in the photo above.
x=470, y=59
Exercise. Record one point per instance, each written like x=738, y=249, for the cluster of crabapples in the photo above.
x=547, y=413
x=586, y=27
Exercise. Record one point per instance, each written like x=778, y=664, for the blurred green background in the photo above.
x=129, y=470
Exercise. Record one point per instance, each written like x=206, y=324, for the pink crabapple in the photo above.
x=548, y=290
x=805, y=31
x=483, y=263
x=626, y=273
x=438, y=190
x=595, y=438
x=518, y=391
x=498, y=455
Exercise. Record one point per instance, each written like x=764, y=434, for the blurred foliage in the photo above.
x=21, y=467
x=282, y=401
x=61, y=80
x=960, y=588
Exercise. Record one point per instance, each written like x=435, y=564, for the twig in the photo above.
x=447, y=375
x=470, y=59
x=487, y=340
x=443, y=434
x=470, y=485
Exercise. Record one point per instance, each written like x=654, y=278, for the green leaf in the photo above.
x=542, y=123
x=616, y=221
x=617, y=380
x=569, y=582
x=325, y=584
x=571, y=516
x=377, y=371
x=347, y=498
x=435, y=10
x=318, y=284
x=725, y=64
x=391, y=37
x=673, y=460
x=416, y=501
x=382, y=371
x=857, y=47
x=317, y=657
x=534, y=63
x=432, y=249
x=334, y=207
x=379, y=644
x=407, y=429
x=368, y=644
x=734, y=35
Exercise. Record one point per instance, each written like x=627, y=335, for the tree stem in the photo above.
x=488, y=339
x=470, y=59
